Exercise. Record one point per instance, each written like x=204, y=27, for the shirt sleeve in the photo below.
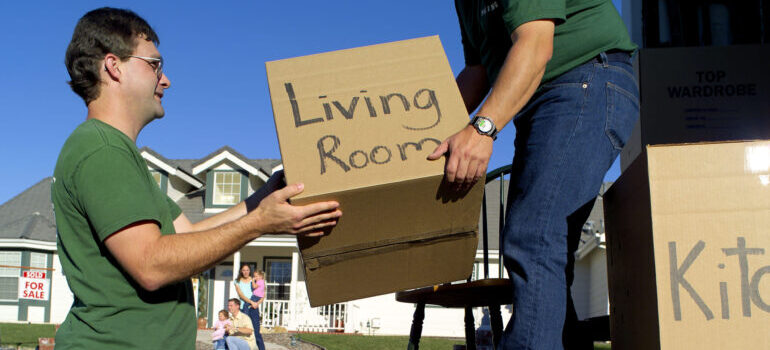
x=518, y=12
x=113, y=192
x=470, y=52
x=173, y=208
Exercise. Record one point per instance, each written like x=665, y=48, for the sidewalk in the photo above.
x=203, y=342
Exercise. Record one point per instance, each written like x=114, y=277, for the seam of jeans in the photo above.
x=609, y=93
x=544, y=228
x=612, y=92
x=623, y=91
x=621, y=70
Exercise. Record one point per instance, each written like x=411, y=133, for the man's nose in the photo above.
x=164, y=81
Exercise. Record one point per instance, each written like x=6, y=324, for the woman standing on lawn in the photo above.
x=249, y=307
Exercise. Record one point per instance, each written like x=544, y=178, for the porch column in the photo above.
x=293, y=294
x=236, y=272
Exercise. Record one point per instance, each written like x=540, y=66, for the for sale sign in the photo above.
x=33, y=285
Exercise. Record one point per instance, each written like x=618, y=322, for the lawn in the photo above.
x=378, y=342
x=22, y=334
x=355, y=342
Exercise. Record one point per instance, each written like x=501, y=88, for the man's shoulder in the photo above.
x=87, y=139
x=94, y=134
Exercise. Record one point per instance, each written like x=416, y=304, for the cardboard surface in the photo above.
x=356, y=126
x=687, y=245
x=696, y=94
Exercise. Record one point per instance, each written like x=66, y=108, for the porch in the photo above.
x=286, y=303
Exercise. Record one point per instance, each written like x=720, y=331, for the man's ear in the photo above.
x=112, y=66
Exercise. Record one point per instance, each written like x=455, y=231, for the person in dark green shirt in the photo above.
x=126, y=249
x=561, y=71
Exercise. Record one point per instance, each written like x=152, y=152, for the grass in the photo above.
x=378, y=342
x=23, y=334
x=355, y=342
x=26, y=335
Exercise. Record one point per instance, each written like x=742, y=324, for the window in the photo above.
x=157, y=176
x=227, y=188
x=39, y=260
x=278, y=278
x=9, y=276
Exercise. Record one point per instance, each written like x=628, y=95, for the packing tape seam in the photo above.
x=332, y=256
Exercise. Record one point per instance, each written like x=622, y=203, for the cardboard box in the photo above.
x=688, y=248
x=696, y=94
x=357, y=126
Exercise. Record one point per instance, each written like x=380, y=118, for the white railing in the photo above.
x=328, y=318
x=274, y=313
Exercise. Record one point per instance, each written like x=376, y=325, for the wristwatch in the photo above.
x=484, y=126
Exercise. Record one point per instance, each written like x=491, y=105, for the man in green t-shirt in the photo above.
x=126, y=249
x=561, y=71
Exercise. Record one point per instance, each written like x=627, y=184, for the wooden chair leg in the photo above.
x=416, y=332
x=496, y=320
x=470, y=330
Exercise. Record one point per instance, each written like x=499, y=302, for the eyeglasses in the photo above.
x=155, y=63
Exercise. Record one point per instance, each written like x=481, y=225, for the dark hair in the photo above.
x=240, y=275
x=223, y=311
x=235, y=301
x=99, y=32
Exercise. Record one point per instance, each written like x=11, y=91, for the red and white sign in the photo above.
x=33, y=285
x=33, y=274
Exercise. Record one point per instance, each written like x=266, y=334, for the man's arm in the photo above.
x=474, y=85
x=241, y=330
x=155, y=260
x=517, y=81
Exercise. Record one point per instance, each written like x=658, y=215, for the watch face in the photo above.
x=484, y=125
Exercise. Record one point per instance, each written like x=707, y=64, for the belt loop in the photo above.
x=603, y=59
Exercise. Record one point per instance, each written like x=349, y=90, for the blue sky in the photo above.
x=214, y=54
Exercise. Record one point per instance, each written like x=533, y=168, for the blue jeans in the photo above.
x=235, y=343
x=567, y=137
x=219, y=344
x=255, y=321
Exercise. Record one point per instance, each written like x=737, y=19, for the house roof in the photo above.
x=29, y=215
x=192, y=170
x=172, y=167
x=260, y=167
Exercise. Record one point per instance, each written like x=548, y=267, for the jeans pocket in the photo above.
x=622, y=112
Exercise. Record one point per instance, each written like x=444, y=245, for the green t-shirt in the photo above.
x=101, y=184
x=584, y=28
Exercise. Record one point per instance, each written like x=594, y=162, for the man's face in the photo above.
x=143, y=87
x=232, y=307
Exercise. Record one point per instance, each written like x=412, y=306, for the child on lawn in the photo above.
x=218, y=337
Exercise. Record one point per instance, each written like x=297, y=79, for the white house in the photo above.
x=203, y=187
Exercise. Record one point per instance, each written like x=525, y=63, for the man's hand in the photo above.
x=468, y=156
x=275, y=215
